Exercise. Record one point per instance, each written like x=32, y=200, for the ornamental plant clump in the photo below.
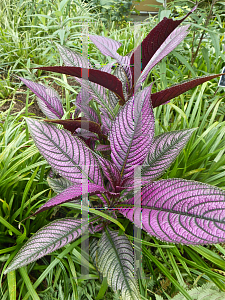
x=101, y=153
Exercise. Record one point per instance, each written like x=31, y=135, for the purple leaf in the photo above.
x=73, y=59
x=92, y=90
x=109, y=47
x=48, y=99
x=103, y=148
x=104, y=130
x=102, y=199
x=165, y=95
x=180, y=211
x=110, y=171
x=66, y=154
x=88, y=137
x=89, y=112
x=73, y=192
x=121, y=75
x=105, y=79
x=172, y=41
x=107, y=68
x=58, y=184
x=164, y=150
x=86, y=134
x=132, y=133
x=83, y=97
x=49, y=238
x=153, y=41
x=115, y=260
x=106, y=120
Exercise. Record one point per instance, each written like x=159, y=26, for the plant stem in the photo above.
x=194, y=55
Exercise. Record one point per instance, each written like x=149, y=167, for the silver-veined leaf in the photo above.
x=180, y=211
x=89, y=112
x=49, y=238
x=109, y=47
x=72, y=58
x=105, y=120
x=58, y=184
x=68, y=155
x=132, y=133
x=121, y=75
x=110, y=170
x=47, y=98
x=93, y=253
x=115, y=260
x=164, y=150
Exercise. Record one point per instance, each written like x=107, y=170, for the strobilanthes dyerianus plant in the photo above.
x=173, y=210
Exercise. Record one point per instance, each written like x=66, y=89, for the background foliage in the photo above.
x=28, y=30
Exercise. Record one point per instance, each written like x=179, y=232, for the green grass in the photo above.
x=25, y=42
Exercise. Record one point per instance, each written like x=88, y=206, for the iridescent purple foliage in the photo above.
x=100, y=155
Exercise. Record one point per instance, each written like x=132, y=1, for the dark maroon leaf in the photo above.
x=154, y=40
x=164, y=96
x=81, y=122
x=171, y=42
x=105, y=79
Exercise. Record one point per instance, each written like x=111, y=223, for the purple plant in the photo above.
x=173, y=210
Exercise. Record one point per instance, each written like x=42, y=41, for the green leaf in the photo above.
x=11, y=277
x=183, y=60
x=103, y=289
x=9, y=226
x=28, y=283
x=48, y=270
x=94, y=211
x=166, y=272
